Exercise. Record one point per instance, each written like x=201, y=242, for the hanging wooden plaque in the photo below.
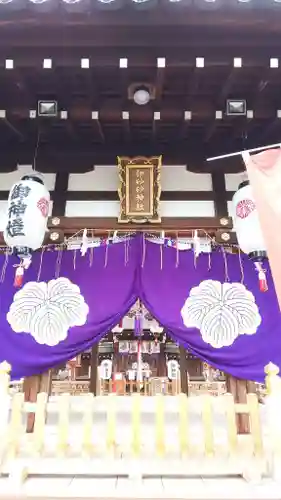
x=139, y=189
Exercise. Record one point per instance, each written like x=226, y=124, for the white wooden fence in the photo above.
x=139, y=435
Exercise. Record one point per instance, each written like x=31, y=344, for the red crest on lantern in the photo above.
x=43, y=206
x=244, y=208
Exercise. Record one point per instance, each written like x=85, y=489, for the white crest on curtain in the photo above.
x=48, y=310
x=221, y=311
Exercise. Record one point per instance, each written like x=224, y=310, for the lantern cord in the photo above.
x=40, y=264
x=143, y=249
x=36, y=151
x=58, y=262
x=194, y=252
x=225, y=265
x=209, y=261
x=74, y=259
x=126, y=251
x=241, y=266
x=161, y=257
x=4, y=267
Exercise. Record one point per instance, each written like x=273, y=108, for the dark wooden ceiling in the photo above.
x=82, y=139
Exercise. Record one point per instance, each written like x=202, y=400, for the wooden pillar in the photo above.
x=94, y=368
x=162, y=366
x=31, y=387
x=239, y=389
x=183, y=371
x=115, y=358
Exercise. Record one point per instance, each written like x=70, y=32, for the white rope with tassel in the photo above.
x=85, y=243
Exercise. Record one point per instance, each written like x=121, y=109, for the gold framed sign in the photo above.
x=139, y=189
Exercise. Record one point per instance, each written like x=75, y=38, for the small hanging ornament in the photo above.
x=262, y=277
x=19, y=273
x=118, y=328
x=19, y=276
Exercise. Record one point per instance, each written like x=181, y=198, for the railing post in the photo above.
x=273, y=405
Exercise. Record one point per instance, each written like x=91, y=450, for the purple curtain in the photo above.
x=108, y=286
x=162, y=278
x=165, y=285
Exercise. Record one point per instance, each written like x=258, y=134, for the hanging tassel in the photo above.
x=262, y=277
x=263, y=281
x=18, y=281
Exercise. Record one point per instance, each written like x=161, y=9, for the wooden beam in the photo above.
x=59, y=195
x=105, y=226
x=80, y=158
x=253, y=29
x=220, y=194
x=70, y=225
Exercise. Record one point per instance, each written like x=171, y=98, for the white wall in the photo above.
x=173, y=178
x=167, y=209
x=232, y=181
x=105, y=178
x=7, y=180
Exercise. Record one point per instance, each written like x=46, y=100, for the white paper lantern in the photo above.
x=248, y=230
x=246, y=222
x=173, y=369
x=106, y=369
x=28, y=210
